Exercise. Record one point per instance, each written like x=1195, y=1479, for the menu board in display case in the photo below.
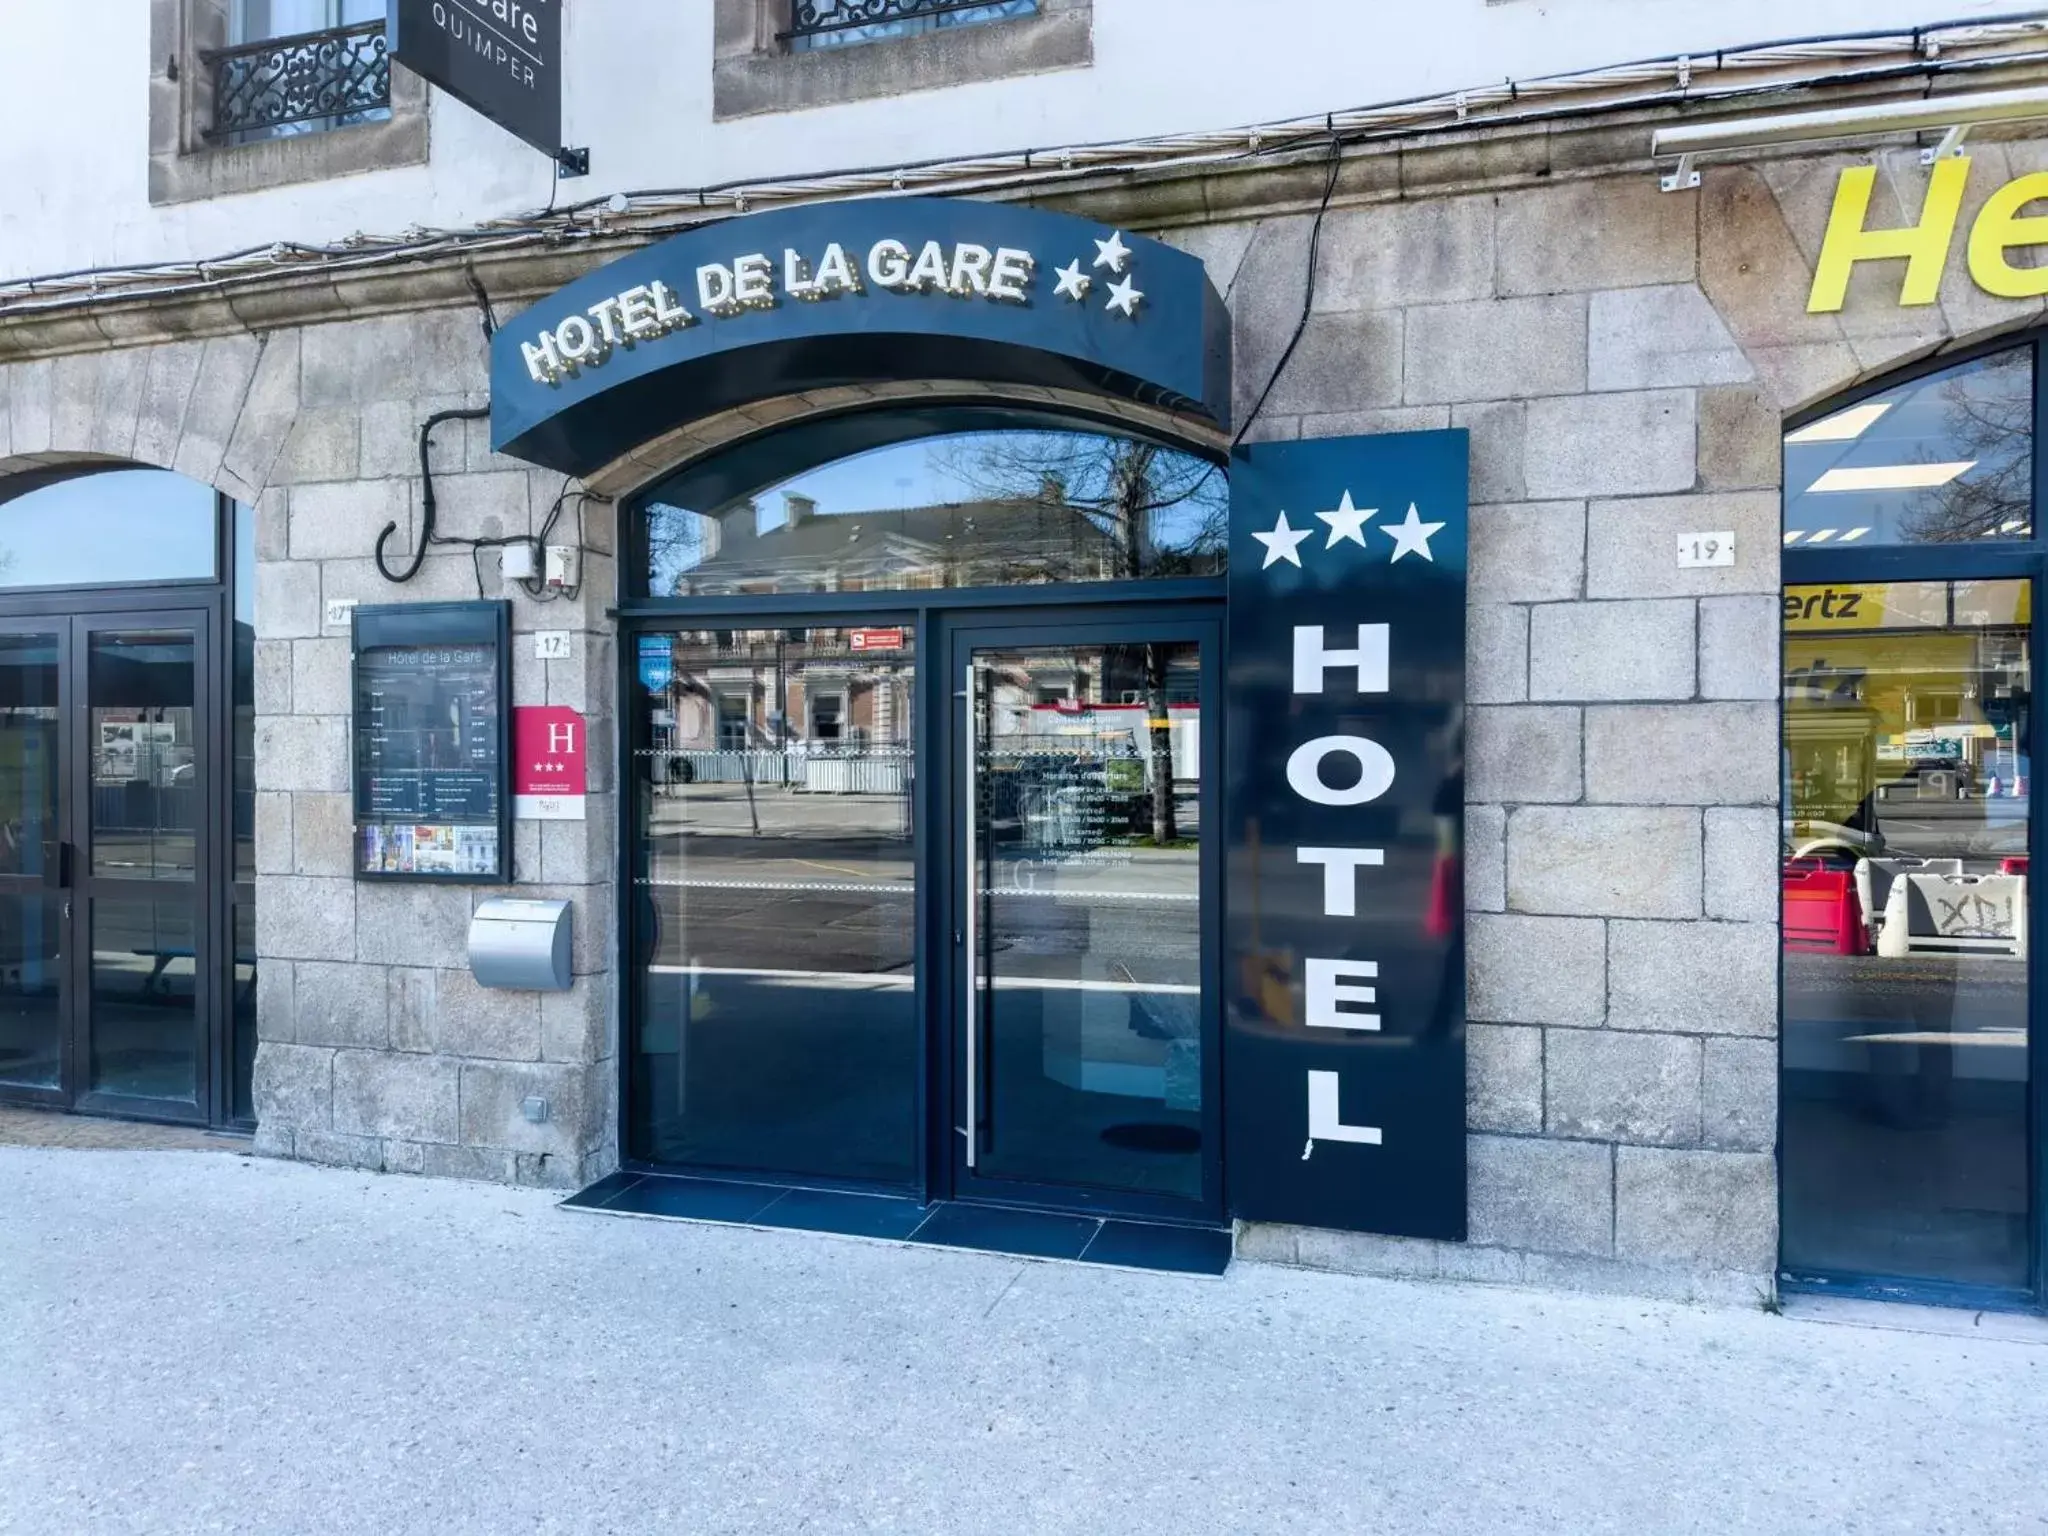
x=432, y=686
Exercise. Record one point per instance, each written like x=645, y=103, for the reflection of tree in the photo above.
x=1165, y=513
x=1988, y=418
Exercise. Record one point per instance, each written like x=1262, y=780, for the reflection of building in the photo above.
x=815, y=708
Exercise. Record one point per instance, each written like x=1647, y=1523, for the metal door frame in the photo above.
x=959, y=636
x=210, y=1022
x=73, y=615
x=935, y=613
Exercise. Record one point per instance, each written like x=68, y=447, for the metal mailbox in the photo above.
x=520, y=945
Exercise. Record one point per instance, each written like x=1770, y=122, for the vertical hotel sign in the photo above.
x=501, y=57
x=1345, y=1048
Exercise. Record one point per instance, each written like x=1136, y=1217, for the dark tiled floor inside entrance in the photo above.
x=986, y=1228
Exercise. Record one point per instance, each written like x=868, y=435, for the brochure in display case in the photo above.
x=431, y=686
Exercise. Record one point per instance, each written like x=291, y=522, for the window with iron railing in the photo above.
x=837, y=23
x=299, y=66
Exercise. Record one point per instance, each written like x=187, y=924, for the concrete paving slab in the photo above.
x=228, y=1344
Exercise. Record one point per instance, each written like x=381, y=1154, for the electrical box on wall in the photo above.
x=564, y=566
x=516, y=562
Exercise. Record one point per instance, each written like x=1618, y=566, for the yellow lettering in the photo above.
x=1923, y=246
x=1999, y=228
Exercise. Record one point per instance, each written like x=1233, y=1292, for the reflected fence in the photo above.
x=886, y=771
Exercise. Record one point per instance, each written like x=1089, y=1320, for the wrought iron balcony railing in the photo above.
x=833, y=20
x=342, y=73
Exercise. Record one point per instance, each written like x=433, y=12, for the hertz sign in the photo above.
x=2000, y=229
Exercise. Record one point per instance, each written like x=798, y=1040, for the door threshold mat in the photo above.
x=1109, y=1241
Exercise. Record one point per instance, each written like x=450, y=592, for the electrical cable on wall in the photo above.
x=534, y=587
x=1308, y=292
x=1922, y=54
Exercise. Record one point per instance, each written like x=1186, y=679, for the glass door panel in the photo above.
x=1083, y=1043
x=1906, y=896
x=775, y=902
x=145, y=989
x=31, y=854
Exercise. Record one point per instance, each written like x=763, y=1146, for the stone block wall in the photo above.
x=1623, y=359
x=377, y=1049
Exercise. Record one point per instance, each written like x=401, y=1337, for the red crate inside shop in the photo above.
x=1821, y=915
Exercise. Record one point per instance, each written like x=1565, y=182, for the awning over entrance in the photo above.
x=878, y=290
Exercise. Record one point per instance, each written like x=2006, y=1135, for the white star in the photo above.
x=1073, y=283
x=1283, y=543
x=1347, y=522
x=1124, y=296
x=1411, y=536
x=1112, y=253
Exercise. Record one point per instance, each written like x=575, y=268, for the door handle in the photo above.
x=970, y=1021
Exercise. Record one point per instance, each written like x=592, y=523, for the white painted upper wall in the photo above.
x=74, y=125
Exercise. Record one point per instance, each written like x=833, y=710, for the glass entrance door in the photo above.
x=144, y=972
x=1081, y=1003
x=33, y=904
x=107, y=916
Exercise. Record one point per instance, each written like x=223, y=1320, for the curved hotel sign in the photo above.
x=893, y=289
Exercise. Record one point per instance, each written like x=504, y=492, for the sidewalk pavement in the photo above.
x=196, y=1341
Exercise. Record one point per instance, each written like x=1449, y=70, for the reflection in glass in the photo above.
x=829, y=12
x=31, y=963
x=145, y=765
x=1938, y=459
x=31, y=1029
x=118, y=526
x=1909, y=791
x=968, y=509
x=1087, y=879
x=775, y=901
x=144, y=1003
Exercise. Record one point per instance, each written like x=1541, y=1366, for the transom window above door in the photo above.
x=1943, y=458
x=980, y=507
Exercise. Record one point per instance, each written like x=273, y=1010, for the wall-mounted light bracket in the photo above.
x=1952, y=116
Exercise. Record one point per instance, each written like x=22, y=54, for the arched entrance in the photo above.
x=923, y=718
x=1914, y=560
x=127, y=795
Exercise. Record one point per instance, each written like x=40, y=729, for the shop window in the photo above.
x=1941, y=459
x=973, y=508
x=1907, y=1100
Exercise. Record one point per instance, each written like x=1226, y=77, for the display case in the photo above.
x=432, y=687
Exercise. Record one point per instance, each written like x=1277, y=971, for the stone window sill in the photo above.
x=182, y=174
x=752, y=73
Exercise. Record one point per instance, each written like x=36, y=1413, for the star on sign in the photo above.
x=1411, y=536
x=1347, y=522
x=1283, y=543
x=1074, y=283
x=1112, y=253
x=1124, y=297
